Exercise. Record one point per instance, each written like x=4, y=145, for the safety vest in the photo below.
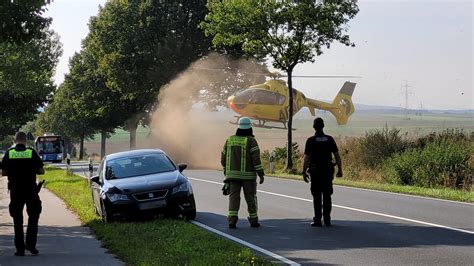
x=241, y=158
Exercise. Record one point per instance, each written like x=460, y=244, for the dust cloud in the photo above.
x=187, y=132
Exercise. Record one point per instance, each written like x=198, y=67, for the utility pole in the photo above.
x=421, y=110
x=406, y=92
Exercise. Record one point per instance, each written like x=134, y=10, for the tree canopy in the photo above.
x=26, y=79
x=22, y=20
x=141, y=46
x=285, y=31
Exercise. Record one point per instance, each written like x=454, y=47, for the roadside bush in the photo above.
x=442, y=162
x=456, y=135
x=280, y=159
x=372, y=149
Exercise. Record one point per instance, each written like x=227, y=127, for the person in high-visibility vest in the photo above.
x=21, y=164
x=240, y=159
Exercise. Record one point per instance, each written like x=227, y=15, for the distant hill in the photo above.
x=380, y=109
x=376, y=109
x=366, y=107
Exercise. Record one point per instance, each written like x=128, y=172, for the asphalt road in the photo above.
x=369, y=227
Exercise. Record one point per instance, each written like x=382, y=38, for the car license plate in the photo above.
x=152, y=205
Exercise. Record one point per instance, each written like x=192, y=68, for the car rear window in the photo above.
x=138, y=166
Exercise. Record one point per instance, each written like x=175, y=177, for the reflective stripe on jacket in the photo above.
x=240, y=158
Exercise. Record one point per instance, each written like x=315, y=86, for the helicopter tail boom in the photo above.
x=341, y=107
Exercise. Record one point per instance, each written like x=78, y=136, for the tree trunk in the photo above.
x=289, y=163
x=81, y=148
x=132, y=128
x=67, y=147
x=103, y=138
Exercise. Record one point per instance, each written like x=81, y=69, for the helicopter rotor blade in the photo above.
x=272, y=74
x=231, y=70
x=322, y=77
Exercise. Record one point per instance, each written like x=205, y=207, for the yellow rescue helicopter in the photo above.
x=268, y=102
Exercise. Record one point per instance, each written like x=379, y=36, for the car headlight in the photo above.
x=60, y=156
x=183, y=187
x=116, y=197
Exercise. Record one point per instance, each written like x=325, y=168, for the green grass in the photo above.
x=157, y=242
x=123, y=135
x=440, y=193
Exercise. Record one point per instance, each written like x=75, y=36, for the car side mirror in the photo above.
x=182, y=166
x=95, y=179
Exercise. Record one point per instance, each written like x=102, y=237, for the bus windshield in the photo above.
x=51, y=144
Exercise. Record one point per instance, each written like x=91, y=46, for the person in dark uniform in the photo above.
x=319, y=168
x=21, y=165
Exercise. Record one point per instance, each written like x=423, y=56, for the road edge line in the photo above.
x=373, y=190
x=245, y=243
x=358, y=210
x=383, y=191
x=376, y=213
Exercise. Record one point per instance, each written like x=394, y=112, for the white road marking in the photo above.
x=356, y=209
x=247, y=244
x=380, y=191
x=407, y=195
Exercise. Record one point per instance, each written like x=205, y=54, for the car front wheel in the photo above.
x=106, y=216
x=190, y=215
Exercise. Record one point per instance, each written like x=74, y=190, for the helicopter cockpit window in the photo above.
x=244, y=96
x=267, y=98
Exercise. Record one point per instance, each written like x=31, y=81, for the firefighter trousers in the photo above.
x=18, y=199
x=250, y=194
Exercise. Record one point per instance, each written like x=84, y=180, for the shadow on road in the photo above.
x=297, y=234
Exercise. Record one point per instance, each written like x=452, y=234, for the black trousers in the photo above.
x=18, y=200
x=322, y=189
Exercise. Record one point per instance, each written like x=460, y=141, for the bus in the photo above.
x=50, y=148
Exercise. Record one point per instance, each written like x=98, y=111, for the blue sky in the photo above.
x=428, y=43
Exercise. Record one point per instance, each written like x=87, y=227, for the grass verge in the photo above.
x=158, y=242
x=440, y=193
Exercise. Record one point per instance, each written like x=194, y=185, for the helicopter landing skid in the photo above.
x=262, y=124
x=270, y=127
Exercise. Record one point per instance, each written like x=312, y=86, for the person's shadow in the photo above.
x=286, y=235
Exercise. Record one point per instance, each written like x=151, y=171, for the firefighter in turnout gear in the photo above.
x=240, y=159
x=21, y=165
x=319, y=168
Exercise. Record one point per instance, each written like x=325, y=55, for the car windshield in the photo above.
x=138, y=165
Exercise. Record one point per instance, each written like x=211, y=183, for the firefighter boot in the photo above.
x=254, y=222
x=232, y=221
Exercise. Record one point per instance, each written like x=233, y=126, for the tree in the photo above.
x=288, y=32
x=224, y=74
x=94, y=103
x=26, y=79
x=82, y=105
x=142, y=46
x=22, y=20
